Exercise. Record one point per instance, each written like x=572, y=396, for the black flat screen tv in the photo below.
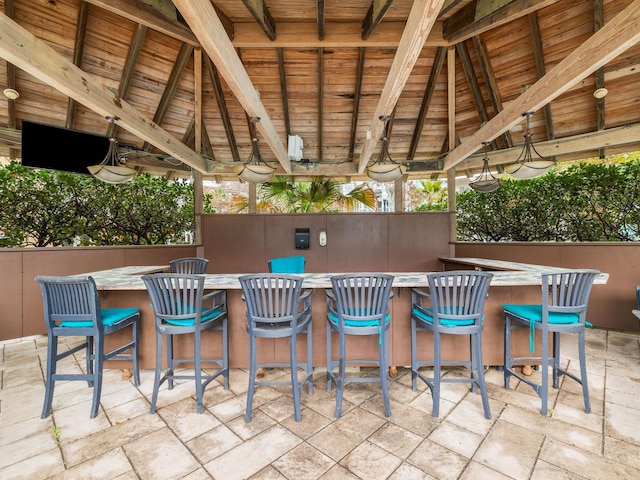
x=62, y=149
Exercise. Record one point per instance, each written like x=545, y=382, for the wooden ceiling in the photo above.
x=185, y=77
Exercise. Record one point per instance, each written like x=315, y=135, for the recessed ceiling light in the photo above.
x=10, y=93
x=600, y=93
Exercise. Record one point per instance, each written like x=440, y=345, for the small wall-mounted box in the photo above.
x=302, y=238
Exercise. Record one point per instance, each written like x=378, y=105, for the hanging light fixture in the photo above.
x=485, y=182
x=254, y=170
x=112, y=169
x=385, y=169
x=526, y=166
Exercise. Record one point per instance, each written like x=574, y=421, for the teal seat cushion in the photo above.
x=447, y=322
x=361, y=323
x=291, y=265
x=110, y=317
x=533, y=313
x=191, y=321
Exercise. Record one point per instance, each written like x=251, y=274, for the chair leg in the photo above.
x=198, y=372
x=97, y=375
x=252, y=377
x=414, y=359
x=52, y=354
x=556, y=359
x=544, y=370
x=475, y=366
x=225, y=352
x=310, y=358
x=477, y=351
x=384, y=372
x=329, y=360
x=435, y=392
x=156, y=379
x=295, y=384
x=583, y=371
x=507, y=351
x=135, y=331
x=341, y=375
x=170, y=364
x=90, y=358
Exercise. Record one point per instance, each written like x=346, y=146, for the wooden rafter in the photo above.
x=129, y=69
x=356, y=101
x=419, y=24
x=38, y=59
x=139, y=12
x=540, y=68
x=436, y=68
x=78, y=50
x=222, y=108
x=321, y=19
x=260, y=12
x=283, y=91
x=374, y=16
x=598, y=20
x=320, y=103
x=490, y=82
x=186, y=50
x=611, y=40
x=207, y=27
x=455, y=33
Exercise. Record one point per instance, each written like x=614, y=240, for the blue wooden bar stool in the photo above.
x=72, y=308
x=565, y=295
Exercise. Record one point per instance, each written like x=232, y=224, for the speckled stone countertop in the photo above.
x=505, y=274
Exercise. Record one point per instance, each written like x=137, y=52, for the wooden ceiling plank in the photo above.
x=78, y=50
x=452, y=6
x=186, y=50
x=540, y=69
x=436, y=68
x=419, y=24
x=374, y=16
x=222, y=108
x=207, y=27
x=139, y=12
x=507, y=13
x=35, y=57
x=621, y=33
x=356, y=102
x=260, y=12
x=490, y=81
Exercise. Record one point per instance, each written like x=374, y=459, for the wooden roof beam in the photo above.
x=222, y=108
x=488, y=15
x=204, y=22
x=321, y=19
x=283, y=91
x=356, y=102
x=260, y=12
x=436, y=68
x=621, y=33
x=38, y=59
x=540, y=69
x=419, y=23
x=139, y=12
x=78, y=50
x=372, y=19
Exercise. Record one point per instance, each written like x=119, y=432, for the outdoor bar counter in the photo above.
x=512, y=283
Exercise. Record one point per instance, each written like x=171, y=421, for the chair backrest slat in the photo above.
x=189, y=265
x=567, y=291
x=69, y=299
x=362, y=297
x=271, y=298
x=175, y=295
x=459, y=295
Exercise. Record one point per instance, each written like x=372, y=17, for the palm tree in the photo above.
x=320, y=195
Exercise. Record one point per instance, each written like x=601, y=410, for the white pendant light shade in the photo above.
x=528, y=166
x=485, y=181
x=385, y=169
x=254, y=173
x=254, y=170
x=531, y=169
x=112, y=169
x=385, y=172
x=111, y=173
